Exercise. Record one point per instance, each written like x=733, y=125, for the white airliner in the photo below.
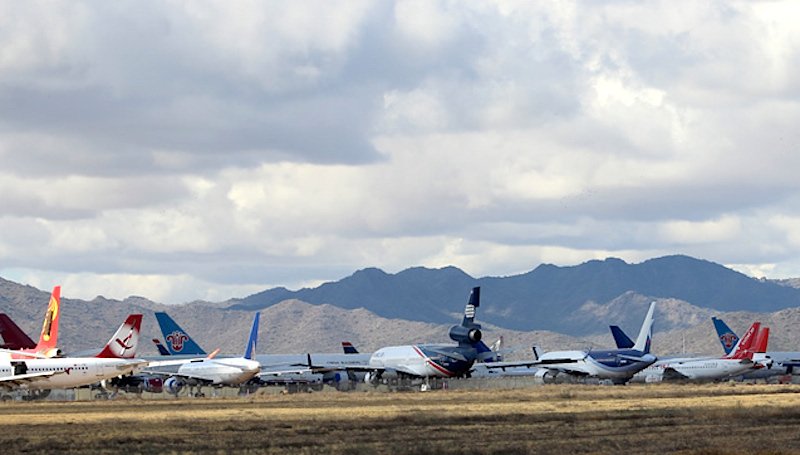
x=36, y=373
x=740, y=360
x=209, y=370
x=618, y=365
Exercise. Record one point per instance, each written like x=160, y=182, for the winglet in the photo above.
x=646, y=333
x=213, y=354
x=252, y=341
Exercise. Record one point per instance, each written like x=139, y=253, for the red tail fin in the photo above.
x=744, y=348
x=13, y=336
x=48, y=339
x=760, y=345
x=125, y=340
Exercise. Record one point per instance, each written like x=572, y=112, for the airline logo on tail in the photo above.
x=52, y=314
x=124, y=342
x=728, y=340
x=176, y=339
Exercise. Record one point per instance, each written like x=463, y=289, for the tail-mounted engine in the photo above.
x=469, y=335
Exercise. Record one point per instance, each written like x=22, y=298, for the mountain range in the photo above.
x=551, y=307
x=546, y=298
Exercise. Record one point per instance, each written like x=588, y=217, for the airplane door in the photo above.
x=19, y=368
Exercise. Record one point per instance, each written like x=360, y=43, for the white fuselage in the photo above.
x=695, y=369
x=596, y=364
x=227, y=371
x=71, y=371
x=409, y=360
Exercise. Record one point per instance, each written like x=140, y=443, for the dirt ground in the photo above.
x=692, y=419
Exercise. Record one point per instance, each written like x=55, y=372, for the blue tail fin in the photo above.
x=349, y=348
x=623, y=341
x=161, y=349
x=726, y=336
x=469, y=311
x=177, y=340
x=250, y=350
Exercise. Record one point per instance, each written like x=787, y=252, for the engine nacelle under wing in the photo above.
x=174, y=385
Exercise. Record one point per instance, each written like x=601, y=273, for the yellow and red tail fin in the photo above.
x=48, y=339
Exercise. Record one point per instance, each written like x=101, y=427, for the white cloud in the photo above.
x=175, y=147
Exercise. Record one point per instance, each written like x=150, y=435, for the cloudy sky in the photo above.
x=206, y=150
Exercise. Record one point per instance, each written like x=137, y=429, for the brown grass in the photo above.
x=705, y=419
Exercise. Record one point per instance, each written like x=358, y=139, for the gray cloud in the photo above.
x=170, y=148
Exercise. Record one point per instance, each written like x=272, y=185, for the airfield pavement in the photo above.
x=653, y=418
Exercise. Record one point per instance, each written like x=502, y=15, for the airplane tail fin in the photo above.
x=726, y=336
x=252, y=341
x=48, y=339
x=469, y=333
x=125, y=340
x=743, y=349
x=349, y=348
x=645, y=338
x=161, y=349
x=490, y=353
x=176, y=339
x=622, y=340
x=760, y=345
x=473, y=303
x=14, y=338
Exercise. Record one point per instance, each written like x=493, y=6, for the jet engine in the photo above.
x=463, y=334
x=173, y=385
x=546, y=376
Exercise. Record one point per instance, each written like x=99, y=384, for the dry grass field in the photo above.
x=692, y=419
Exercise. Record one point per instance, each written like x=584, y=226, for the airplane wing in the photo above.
x=632, y=358
x=554, y=365
x=451, y=354
x=671, y=374
x=17, y=380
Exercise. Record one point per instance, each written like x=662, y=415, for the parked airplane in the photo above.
x=275, y=368
x=424, y=360
x=209, y=370
x=784, y=362
x=740, y=360
x=618, y=365
x=40, y=372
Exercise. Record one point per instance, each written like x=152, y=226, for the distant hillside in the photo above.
x=548, y=297
x=293, y=326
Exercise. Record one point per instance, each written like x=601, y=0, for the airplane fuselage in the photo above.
x=227, y=371
x=608, y=364
x=694, y=369
x=69, y=372
x=424, y=360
